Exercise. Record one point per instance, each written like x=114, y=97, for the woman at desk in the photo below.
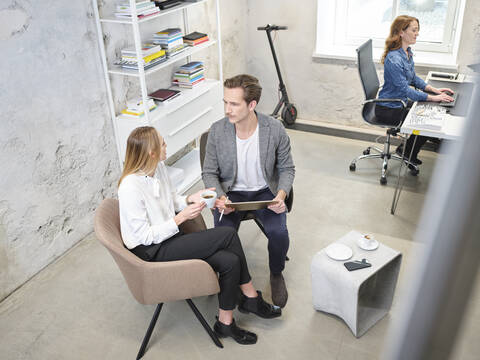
x=149, y=227
x=399, y=76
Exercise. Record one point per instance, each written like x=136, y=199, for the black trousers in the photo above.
x=219, y=247
x=275, y=225
x=394, y=116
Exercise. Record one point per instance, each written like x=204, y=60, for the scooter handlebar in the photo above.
x=272, y=27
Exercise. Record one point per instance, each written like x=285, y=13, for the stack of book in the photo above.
x=195, y=38
x=170, y=40
x=144, y=9
x=135, y=108
x=189, y=75
x=152, y=55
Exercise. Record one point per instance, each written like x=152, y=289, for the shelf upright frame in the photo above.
x=101, y=45
x=219, y=43
x=138, y=48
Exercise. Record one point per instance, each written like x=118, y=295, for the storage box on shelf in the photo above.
x=180, y=120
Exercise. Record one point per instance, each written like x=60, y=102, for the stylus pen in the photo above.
x=223, y=210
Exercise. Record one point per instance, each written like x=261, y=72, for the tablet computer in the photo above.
x=250, y=205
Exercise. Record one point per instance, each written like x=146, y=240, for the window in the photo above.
x=342, y=25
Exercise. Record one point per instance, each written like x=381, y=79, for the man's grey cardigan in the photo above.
x=220, y=165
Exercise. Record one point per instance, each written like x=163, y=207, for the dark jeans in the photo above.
x=275, y=225
x=220, y=248
x=394, y=116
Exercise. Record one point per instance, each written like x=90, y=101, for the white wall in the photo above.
x=58, y=151
x=322, y=90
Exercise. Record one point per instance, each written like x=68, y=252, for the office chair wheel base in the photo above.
x=353, y=167
x=383, y=180
x=366, y=152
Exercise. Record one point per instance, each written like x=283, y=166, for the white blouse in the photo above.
x=147, y=208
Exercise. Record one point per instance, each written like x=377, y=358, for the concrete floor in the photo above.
x=80, y=308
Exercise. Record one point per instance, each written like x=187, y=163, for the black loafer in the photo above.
x=241, y=336
x=259, y=307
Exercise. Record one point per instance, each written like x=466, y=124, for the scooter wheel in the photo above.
x=289, y=114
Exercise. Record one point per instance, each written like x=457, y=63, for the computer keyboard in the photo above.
x=450, y=104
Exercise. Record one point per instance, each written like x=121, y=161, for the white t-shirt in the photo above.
x=147, y=208
x=249, y=171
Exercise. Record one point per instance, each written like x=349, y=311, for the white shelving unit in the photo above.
x=181, y=120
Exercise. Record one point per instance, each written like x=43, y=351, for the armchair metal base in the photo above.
x=197, y=313
x=385, y=155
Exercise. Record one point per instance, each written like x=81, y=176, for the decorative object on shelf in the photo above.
x=144, y=9
x=189, y=75
x=165, y=94
x=195, y=38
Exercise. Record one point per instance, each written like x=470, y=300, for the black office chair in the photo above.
x=371, y=85
x=249, y=215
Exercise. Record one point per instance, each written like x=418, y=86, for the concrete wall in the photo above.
x=323, y=90
x=58, y=151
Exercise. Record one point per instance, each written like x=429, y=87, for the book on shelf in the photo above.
x=189, y=78
x=135, y=108
x=146, y=59
x=191, y=65
x=175, y=51
x=167, y=4
x=144, y=9
x=190, y=85
x=129, y=58
x=141, y=5
x=195, y=38
x=134, y=65
x=147, y=49
x=164, y=94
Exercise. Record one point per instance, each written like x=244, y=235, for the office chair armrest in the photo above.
x=404, y=105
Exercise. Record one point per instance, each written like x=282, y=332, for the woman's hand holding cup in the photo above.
x=207, y=196
x=189, y=213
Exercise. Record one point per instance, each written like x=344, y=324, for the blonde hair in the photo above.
x=394, y=41
x=142, y=143
x=251, y=88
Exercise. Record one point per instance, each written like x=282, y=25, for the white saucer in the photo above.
x=338, y=251
x=367, y=244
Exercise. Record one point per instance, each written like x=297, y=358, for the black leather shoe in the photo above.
x=415, y=161
x=259, y=307
x=279, y=290
x=241, y=336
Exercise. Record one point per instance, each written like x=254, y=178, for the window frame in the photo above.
x=331, y=17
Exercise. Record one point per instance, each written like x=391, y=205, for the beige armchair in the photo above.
x=157, y=282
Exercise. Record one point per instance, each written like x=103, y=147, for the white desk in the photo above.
x=444, y=126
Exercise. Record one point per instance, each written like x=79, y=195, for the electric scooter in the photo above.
x=289, y=111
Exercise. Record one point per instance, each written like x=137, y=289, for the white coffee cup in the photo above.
x=209, y=197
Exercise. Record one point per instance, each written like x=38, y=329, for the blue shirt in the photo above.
x=399, y=75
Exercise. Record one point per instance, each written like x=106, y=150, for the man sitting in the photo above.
x=248, y=159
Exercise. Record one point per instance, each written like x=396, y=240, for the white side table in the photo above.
x=361, y=297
